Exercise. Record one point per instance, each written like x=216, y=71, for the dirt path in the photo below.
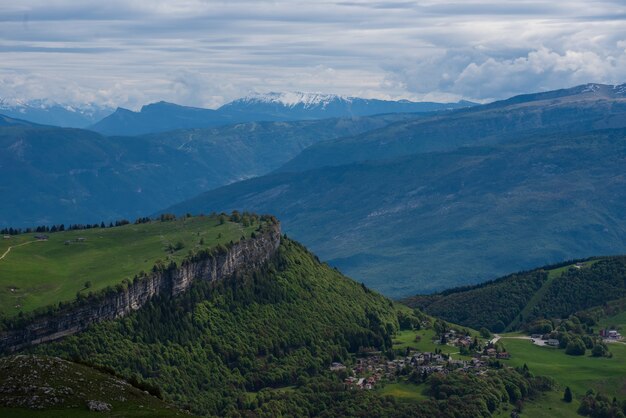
x=9, y=249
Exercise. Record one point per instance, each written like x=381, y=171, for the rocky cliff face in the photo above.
x=247, y=254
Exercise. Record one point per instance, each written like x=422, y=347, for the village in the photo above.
x=375, y=368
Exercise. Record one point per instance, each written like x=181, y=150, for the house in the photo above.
x=41, y=237
x=335, y=367
x=503, y=355
x=80, y=239
x=464, y=343
x=491, y=352
x=7, y=237
x=552, y=342
x=614, y=335
x=535, y=336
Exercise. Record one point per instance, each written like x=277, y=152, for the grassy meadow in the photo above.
x=36, y=274
x=580, y=373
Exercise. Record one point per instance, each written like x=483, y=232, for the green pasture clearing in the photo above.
x=36, y=274
x=404, y=391
x=580, y=373
x=404, y=339
x=548, y=405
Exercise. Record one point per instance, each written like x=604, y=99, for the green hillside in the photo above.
x=260, y=345
x=35, y=274
x=514, y=301
x=213, y=347
x=48, y=387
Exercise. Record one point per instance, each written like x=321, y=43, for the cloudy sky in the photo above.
x=205, y=53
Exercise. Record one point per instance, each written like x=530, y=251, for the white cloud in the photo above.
x=204, y=53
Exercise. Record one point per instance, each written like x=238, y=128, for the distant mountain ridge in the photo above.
x=455, y=198
x=47, y=112
x=164, y=116
x=578, y=109
x=65, y=175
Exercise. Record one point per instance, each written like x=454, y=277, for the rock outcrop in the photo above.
x=248, y=254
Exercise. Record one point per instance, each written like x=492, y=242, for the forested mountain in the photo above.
x=163, y=116
x=270, y=328
x=515, y=301
x=579, y=109
x=431, y=221
x=56, y=175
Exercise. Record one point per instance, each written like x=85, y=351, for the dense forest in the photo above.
x=209, y=346
x=492, y=305
x=517, y=300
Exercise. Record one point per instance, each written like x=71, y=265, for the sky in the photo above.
x=205, y=53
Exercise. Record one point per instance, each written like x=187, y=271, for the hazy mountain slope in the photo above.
x=579, y=109
x=158, y=117
x=6, y=121
x=162, y=116
x=431, y=221
x=50, y=113
x=70, y=175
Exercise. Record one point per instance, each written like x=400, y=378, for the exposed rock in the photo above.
x=98, y=406
x=247, y=254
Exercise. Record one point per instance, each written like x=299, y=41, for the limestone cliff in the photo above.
x=213, y=265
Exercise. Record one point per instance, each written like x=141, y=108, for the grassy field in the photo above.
x=404, y=391
x=404, y=339
x=36, y=274
x=580, y=373
x=549, y=405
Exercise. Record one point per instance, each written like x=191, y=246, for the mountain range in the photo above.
x=47, y=112
x=62, y=175
x=406, y=202
x=429, y=203
x=163, y=116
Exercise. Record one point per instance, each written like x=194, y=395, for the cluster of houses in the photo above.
x=368, y=371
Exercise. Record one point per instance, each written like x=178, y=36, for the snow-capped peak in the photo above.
x=291, y=99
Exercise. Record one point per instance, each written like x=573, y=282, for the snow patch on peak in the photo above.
x=292, y=99
x=591, y=88
x=620, y=89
